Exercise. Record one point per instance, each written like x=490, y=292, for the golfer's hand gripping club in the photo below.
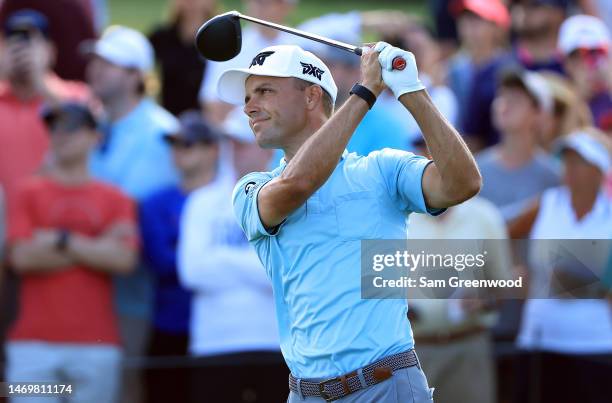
x=371, y=72
x=398, y=63
x=400, y=81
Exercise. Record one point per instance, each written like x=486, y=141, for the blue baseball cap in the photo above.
x=68, y=116
x=193, y=129
x=26, y=21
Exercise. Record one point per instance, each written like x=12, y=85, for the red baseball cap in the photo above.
x=490, y=10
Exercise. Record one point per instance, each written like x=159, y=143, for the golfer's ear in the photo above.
x=314, y=96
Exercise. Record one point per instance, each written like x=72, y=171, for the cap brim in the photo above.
x=108, y=52
x=231, y=84
x=588, y=151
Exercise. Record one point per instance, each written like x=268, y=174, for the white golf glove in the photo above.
x=399, y=81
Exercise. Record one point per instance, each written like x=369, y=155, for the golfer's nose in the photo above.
x=251, y=107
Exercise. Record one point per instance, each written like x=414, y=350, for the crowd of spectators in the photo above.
x=123, y=269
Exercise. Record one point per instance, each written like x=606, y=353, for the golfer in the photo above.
x=306, y=218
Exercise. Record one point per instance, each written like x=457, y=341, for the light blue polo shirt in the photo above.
x=133, y=156
x=313, y=261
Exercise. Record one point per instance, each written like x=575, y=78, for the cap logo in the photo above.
x=260, y=58
x=310, y=70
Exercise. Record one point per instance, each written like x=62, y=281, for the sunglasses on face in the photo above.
x=181, y=144
x=591, y=56
x=62, y=129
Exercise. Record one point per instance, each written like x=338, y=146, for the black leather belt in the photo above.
x=342, y=386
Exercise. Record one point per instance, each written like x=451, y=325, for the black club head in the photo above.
x=220, y=38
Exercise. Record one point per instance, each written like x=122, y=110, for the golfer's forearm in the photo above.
x=311, y=166
x=318, y=156
x=459, y=177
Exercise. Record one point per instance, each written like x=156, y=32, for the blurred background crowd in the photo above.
x=125, y=273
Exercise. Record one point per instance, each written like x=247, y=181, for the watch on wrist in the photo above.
x=364, y=93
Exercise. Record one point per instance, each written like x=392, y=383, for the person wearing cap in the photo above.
x=26, y=62
x=568, y=342
x=232, y=329
x=194, y=150
x=68, y=235
x=132, y=155
x=254, y=37
x=585, y=43
x=306, y=218
x=482, y=30
x=517, y=170
x=70, y=23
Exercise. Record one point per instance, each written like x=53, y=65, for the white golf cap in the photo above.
x=534, y=83
x=583, y=31
x=236, y=126
x=277, y=61
x=589, y=148
x=124, y=47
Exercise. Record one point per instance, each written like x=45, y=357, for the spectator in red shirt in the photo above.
x=26, y=61
x=70, y=23
x=68, y=234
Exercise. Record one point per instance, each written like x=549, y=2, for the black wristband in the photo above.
x=62, y=240
x=363, y=93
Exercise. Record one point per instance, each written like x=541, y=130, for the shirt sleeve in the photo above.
x=244, y=199
x=402, y=175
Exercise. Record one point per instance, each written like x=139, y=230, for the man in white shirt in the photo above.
x=233, y=329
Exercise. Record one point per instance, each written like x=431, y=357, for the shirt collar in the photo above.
x=283, y=161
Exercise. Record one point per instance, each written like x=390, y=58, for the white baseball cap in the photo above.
x=124, y=47
x=277, y=61
x=534, y=83
x=588, y=148
x=583, y=31
x=236, y=126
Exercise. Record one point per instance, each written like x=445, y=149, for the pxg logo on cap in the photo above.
x=260, y=59
x=312, y=70
x=277, y=61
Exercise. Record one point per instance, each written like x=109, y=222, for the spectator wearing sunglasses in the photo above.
x=585, y=42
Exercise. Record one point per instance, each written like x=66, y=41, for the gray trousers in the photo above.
x=407, y=385
x=92, y=370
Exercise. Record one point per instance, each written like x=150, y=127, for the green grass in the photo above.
x=144, y=14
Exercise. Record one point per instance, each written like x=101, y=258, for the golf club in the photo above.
x=220, y=38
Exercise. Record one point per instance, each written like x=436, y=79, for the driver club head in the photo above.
x=220, y=38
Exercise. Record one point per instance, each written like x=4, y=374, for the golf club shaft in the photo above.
x=341, y=45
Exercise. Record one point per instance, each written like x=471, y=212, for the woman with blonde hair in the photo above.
x=569, y=111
